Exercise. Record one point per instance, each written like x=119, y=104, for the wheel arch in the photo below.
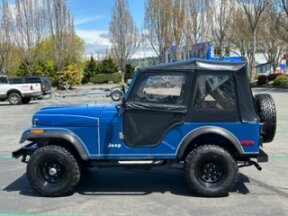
x=209, y=135
x=67, y=140
x=13, y=91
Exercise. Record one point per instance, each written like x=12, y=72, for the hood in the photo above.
x=88, y=115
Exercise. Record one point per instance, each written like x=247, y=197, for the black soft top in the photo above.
x=201, y=64
x=247, y=112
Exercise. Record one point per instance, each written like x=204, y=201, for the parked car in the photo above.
x=18, y=93
x=206, y=119
x=46, y=85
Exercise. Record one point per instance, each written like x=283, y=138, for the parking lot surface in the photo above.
x=136, y=192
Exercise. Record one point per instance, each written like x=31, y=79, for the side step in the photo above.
x=128, y=163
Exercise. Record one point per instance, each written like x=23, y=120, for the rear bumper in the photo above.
x=46, y=92
x=262, y=157
x=33, y=94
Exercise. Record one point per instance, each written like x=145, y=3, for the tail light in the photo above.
x=43, y=87
x=31, y=87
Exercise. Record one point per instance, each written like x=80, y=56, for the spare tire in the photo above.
x=267, y=112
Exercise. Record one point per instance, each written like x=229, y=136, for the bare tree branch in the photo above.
x=178, y=15
x=5, y=36
x=61, y=29
x=196, y=21
x=222, y=18
x=253, y=10
x=123, y=33
x=157, y=26
x=270, y=41
x=30, y=27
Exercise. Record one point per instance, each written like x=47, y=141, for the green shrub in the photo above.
x=281, y=81
x=105, y=78
x=115, y=77
x=71, y=75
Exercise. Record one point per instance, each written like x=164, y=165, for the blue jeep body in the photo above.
x=208, y=103
x=95, y=130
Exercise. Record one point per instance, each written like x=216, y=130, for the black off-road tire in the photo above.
x=15, y=98
x=267, y=112
x=46, y=184
x=26, y=100
x=199, y=165
x=116, y=95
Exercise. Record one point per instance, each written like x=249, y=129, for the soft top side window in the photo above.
x=215, y=92
x=162, y=89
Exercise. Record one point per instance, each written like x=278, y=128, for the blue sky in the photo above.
x=92, y=18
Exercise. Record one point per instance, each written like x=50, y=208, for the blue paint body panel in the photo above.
x=99, y=129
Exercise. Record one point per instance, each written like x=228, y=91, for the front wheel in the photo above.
x=210, y=171
x=53, y=171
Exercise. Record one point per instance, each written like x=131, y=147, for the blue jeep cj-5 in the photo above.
x=196, y=113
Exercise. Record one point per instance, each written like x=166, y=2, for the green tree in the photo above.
x=129, y=71
x=46, y=68
x=22, y=70
x=107, y=66
x=90, y=69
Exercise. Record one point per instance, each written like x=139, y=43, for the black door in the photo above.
x=156, y=103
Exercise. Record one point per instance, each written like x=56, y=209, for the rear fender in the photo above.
x=190, y=137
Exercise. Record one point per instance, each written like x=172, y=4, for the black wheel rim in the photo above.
x=211, y=172
x=53, y=171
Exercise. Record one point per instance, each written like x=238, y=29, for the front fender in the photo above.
x=57, y=133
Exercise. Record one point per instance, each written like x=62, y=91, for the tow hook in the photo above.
x=250, y=163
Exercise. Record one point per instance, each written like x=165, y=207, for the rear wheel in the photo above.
x=15, y=98
x=210, y=171
x=53, y=171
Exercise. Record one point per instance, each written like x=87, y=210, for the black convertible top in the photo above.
x=246, y=109
x=201, y=64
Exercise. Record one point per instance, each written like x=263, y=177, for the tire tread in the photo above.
x=75, y=171
x=200, y=151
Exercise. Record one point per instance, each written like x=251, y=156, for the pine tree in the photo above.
x=90, y=69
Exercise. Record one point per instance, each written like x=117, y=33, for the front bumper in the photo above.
x=24, y=151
